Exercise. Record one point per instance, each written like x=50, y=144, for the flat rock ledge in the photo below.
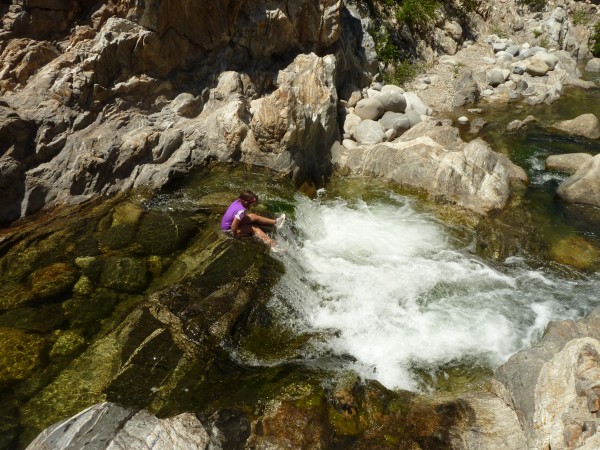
x=433, y=158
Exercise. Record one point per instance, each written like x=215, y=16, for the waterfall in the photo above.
x=394, y=290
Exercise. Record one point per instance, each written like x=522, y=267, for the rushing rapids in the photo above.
x=401, y=293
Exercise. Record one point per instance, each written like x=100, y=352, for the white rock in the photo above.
x=463, y=120
x=369, y=132
x=350, y=123
x=593, y=65
x=414, y=103
x=349, y=144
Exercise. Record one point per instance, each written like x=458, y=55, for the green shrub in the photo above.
x=416, y=13
x=401, y=73
x=596, y=39
x=580, y=17
x=534, y=4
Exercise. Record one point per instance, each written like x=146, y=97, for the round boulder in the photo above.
x=416, y=104
x=549, y=59
x=350, y=123
x=593, y=65
x=392, y=99
x=567, y=163
x=537, y=68
x=395, y=121
x=584, y=186
x=369, y=109
x=586, y=125
x=369, y=132
x=413, y=117
x=495, y=77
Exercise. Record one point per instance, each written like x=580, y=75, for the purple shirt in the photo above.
x=235, y=211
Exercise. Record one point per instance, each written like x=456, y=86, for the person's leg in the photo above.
x=260, y=220
x=263, y=236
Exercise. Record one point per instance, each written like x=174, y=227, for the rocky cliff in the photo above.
x=102, y=96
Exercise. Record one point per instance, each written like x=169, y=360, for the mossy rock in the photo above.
x=14, y=296
x=155, y=265
x=84, y=286
x=68, y=343
x=21, y=354
x=41, y=318
x=117, y=237
x=125, y=274
x=90, y=266
x=54, y=280
x=126, y=213
x=576, y=252
x=217, y=202
x=85, y=312
x=160, y=234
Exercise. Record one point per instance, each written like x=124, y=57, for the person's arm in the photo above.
x=234, y=227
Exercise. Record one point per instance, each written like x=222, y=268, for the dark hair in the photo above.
x=248, y=197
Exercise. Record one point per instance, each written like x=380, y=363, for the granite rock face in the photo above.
x=553, y=386
x=139, y=96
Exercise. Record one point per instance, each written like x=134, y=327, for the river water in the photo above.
x=402, y=295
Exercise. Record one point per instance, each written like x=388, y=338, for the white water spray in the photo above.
x=392, y=289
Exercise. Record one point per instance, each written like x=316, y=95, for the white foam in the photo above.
x=392, y=289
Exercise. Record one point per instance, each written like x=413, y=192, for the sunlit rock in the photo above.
x=471, y=175
x=108, y=425
x=583, y=186
x=567, y=163
x=586, y=125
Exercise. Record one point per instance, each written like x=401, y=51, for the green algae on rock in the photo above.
x=54, y=280
x=14, y=296
x=21, y=354
x=125, y=274
x=577, y=252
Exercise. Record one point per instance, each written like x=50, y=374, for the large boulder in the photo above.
x=586, y=125
x=553, y=386
x=369, y=109
x=369, y=132
x=584, y=186
x=567, y=163
x=392, y=98
x=472, y=175
x=108, y=425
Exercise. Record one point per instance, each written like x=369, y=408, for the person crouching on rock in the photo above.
x=238, y=221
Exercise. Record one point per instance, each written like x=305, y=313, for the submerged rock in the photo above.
x=577, y=252
x=53, y=280
x=125, y=274
x=21, y=354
